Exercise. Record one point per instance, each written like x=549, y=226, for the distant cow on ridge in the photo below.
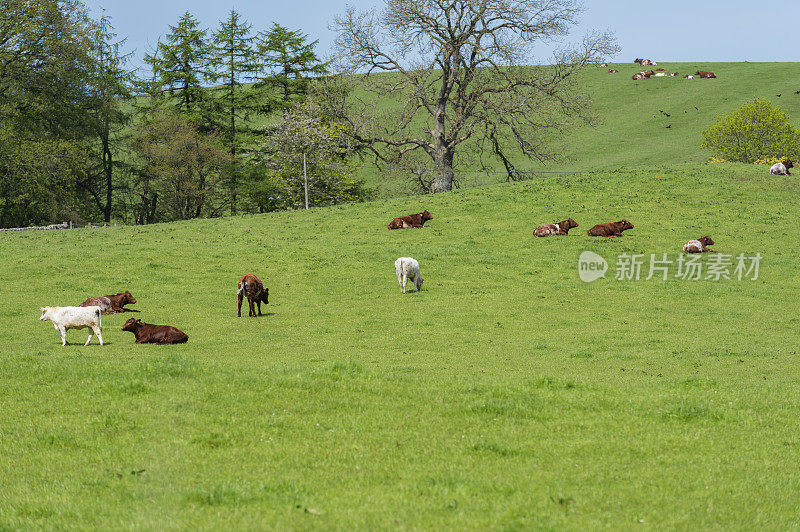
x=412, y=220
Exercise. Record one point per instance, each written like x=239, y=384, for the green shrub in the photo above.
x=756, y=130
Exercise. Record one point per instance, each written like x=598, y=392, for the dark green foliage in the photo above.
x=232, y=60
x=179, y=69
x=110, y=83
x=290, y=60
x=45, y=66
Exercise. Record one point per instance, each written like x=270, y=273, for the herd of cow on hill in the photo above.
x=659, y=72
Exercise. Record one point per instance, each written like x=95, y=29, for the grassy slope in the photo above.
x=630, y=131
x=506, y=394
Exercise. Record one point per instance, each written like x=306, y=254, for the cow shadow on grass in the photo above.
x=264, y=315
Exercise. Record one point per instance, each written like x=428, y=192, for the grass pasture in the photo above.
x=507, y=394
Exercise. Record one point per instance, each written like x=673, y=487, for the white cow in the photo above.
x=408, y=269
x=65, y=318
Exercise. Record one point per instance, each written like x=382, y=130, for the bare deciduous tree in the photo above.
x=456, y=75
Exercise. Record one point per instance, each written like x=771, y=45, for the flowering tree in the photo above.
x=306, y=144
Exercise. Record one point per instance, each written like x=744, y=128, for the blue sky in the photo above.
x=676, y=30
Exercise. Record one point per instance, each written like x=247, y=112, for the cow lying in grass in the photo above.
x=112, y=304
x=781, y=168
x=407, y=269
x=251, y=287
x=561, y=228
x=699, y=246
x=705, y=74
x=147, y=333
x=66, y=318
x=610, y=229
x=412, y=220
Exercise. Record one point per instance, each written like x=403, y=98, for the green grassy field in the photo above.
x=507, y=394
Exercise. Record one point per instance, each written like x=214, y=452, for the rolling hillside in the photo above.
x=630, y=131
x=507, y=394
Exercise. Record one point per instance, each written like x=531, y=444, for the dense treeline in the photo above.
x=84, y=137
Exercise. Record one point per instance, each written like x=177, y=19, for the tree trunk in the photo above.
x=233, y=149
x=444, y=175
x=109, y=168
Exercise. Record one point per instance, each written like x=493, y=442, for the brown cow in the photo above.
x=613, y=70
x=252, y=287
x=112, y=304
x=699, y=246
x=705, y=74
x=147, y=333
x=412, y=220
x=561, y=228
x=611, y=229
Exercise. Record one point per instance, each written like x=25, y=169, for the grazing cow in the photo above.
x=147, y=333
x=66, y=318
x=412, y=220
x=561, y=228
x=705, y=74
x=613, y=71
x=781, y=168
x=112, y=304
x=610, y=229
x=252, y=287
x=407, y=269
x=699, y=246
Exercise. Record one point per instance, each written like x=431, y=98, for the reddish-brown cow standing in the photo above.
x=252, y=287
